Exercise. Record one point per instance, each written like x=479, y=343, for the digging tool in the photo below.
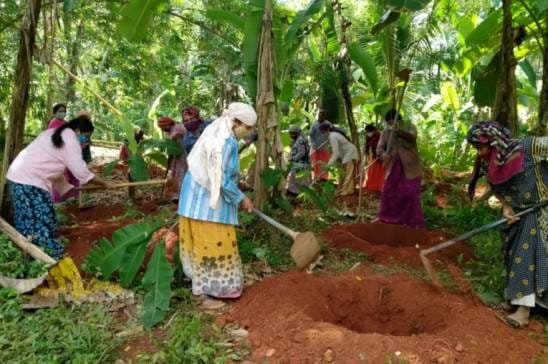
x=405, y=76
x=305, y=246
x=448, y=243
x=169, y=159
x=125, y=184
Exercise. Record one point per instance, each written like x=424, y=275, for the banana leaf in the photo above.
x=157, y=283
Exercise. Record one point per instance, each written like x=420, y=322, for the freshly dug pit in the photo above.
x=305, y=318
x=390, y=243
x=372, y=307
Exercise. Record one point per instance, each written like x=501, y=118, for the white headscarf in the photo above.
x=206, y=158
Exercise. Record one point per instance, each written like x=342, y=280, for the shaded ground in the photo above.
x=362, y=316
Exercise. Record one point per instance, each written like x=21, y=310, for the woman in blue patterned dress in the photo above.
x=517, y=171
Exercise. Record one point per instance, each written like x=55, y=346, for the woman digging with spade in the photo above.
x=37, y=170
x=517, y=171
x=208, y=207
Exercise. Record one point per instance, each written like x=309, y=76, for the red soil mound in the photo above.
x=389, y=243
x=364, y=317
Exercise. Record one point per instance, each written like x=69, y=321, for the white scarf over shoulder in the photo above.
x=205, y=161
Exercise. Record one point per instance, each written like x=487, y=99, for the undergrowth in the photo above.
x=192, y=337
x=340, y=261
x=83, y=334
x=486, y=271
x=16, y=264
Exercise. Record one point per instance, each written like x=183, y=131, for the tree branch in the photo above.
x=203, y=26
x=537, y=22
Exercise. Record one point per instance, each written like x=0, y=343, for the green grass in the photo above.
x=192, y=337
x=486, y=270
x=83, y=334
x=444, y=276
x=340, y=261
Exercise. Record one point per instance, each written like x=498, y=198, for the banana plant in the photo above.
x=125, y=255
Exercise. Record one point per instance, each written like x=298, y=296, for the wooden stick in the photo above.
x=424, y=252
x=125, y=184
x=23, y=243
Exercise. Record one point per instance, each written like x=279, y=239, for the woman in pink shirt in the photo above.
x=37, y=170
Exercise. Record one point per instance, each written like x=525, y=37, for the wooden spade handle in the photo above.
x=276, y=224
x=471, y=233
x=22, y=242
x=125, y=184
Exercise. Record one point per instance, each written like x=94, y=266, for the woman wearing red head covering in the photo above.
x=194, y=126
x=177, y=165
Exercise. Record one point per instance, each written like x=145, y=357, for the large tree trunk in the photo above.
x=269, y=139
x=506, y=104
x=20, y=94
x=48, y=49
x=543, y=104
x=347, y=76
x=73, y=45
x=347, y=98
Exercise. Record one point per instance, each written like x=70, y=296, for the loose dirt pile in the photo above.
x=388, y=243
x=365, y=317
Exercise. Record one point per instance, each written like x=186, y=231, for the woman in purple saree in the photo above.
x=400, y=196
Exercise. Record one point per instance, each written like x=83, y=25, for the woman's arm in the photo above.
x=334, y=148
x=507, y=210
x=229, y=188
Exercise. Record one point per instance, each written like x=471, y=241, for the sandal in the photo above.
x=501, y=306
x=511, y=322
x=212, y=304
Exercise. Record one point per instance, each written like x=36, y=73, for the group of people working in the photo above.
x=394, y=167
x=209, y=197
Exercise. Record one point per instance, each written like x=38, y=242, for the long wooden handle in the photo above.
x=276, y=224
x=22, y=242
x=469, y=234
x=125, y=184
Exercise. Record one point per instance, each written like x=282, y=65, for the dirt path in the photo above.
x=363, y=316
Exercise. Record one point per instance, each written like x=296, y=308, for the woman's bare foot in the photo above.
x=520, y=318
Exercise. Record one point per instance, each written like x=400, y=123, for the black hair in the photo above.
x=56, y=107
x=139, y=135
x=82, y=123
x=370, y=127
x=391, y=115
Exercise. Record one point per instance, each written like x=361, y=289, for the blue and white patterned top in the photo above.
x=194, y=198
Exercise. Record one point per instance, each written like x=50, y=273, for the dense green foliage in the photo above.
x=16, y=264
x=151, y=58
